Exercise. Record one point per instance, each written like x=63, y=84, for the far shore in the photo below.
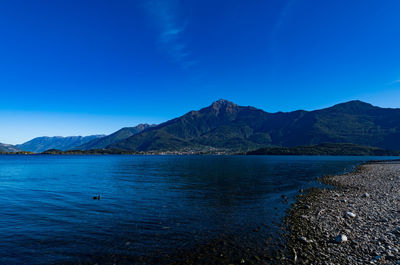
x=178, y=153
x=182, y=154
x=322, y=149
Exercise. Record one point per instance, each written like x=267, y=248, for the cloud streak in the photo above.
x=283, y=15
x=165, y=15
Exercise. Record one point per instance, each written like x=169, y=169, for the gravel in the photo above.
x=355, y=222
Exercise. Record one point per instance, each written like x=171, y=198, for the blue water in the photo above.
x=150, y=205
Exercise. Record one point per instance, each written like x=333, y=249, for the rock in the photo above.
x=365, y=195
x=305, y=240
x=350, y=214
x=294, y=255
x=341, y=238
x=396, y=232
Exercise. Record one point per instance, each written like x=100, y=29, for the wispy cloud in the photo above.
x=288, y=7
x=283, y=15
x=165, y=14
x=395, y=82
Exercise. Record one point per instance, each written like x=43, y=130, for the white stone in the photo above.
x=350, y=214
x=341, y=238
x=305, y=240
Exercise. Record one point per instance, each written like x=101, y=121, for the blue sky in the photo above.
x=91, y=67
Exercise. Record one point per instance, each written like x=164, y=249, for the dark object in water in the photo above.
x=96, y=197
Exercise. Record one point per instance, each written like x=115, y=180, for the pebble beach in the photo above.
x=354, y=221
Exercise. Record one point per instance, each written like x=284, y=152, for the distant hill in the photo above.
x=227, y=126
x=88, y=152
x=41, y=144
x=5, y=148
x=100, y=143
x=332, y=149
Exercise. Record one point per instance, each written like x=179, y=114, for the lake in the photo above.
x=150, y=206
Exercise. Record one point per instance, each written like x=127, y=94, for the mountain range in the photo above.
x=122, y=134
x=6, y=148
x=227, y=127
x=44, y=143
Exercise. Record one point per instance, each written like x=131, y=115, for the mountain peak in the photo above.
x=223, y=103
x=225, y=106
x=354, y=106
x=221, y=100
x=356, y=102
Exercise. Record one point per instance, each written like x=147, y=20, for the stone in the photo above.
x=341, y=238
x=356, y=226
x=305, y=240
x=350, y=214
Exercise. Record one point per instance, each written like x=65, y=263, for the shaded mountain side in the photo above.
x=119, y=135
x=228, y=126
x=192, y=130
x=7, y=148
x=332, y=149
x=41, y=144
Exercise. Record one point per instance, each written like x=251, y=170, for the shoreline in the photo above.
x=355, y=222
x=306, y=232
x=90, y=153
